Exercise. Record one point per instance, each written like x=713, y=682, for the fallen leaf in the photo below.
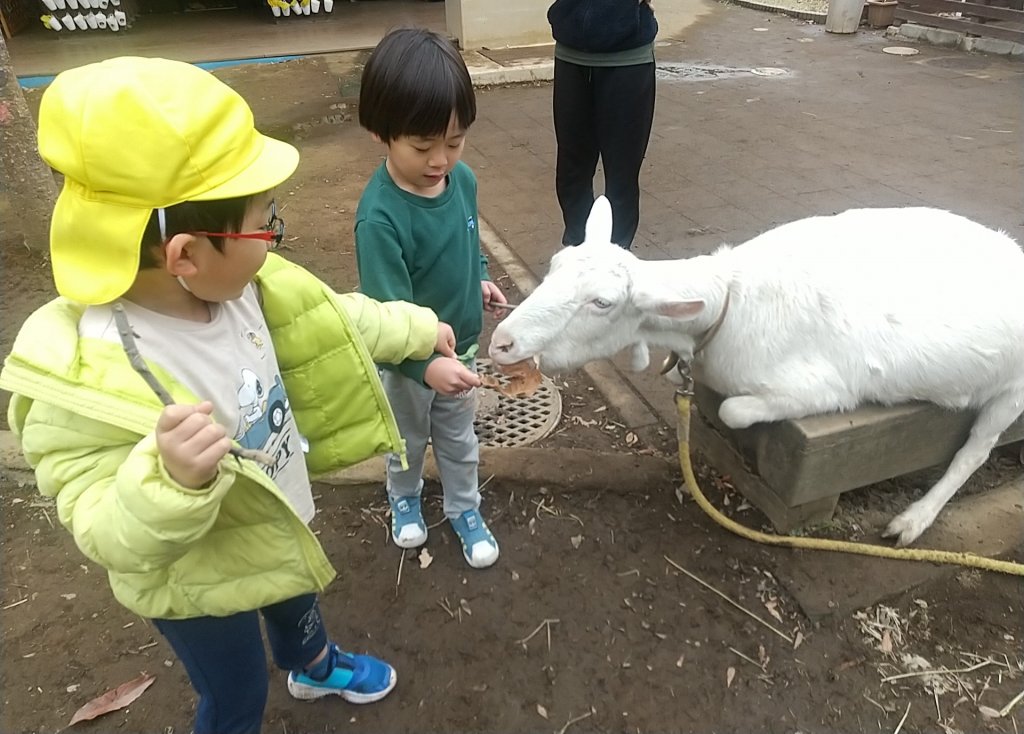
x=989, y=713
x=542, y=711
x=798, y=640
x=465, y=606
x=679, y=662
x=118, y=698
x=576, y=540
x=729, y=675
x=425, y=558
x=886, y=645
x=772, y=606
x=631, y=438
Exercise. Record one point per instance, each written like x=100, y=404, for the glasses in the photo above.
x=272, y=232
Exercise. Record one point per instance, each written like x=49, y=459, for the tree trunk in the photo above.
x=27, y=187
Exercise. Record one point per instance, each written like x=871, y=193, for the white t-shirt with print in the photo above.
x=229, y=361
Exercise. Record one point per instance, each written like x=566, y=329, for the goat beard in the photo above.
x=523, y=379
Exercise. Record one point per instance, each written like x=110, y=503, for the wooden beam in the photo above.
x=817, y=457
x=721, y=453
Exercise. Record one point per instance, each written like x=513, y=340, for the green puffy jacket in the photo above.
x=85, y=420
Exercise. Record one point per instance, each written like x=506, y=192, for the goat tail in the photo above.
x=879, y=551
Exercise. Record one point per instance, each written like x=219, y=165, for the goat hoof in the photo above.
x=907, y=527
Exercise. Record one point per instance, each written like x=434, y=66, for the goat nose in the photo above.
x=505, y=345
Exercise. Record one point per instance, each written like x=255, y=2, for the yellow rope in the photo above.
x=880, y=551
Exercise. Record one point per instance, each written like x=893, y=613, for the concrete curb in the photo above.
x=953, y=39
x=487, y=72
x=818, y=18
x=578, y=470
x=11, y=457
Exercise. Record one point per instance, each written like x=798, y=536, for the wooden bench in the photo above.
x=795, y=470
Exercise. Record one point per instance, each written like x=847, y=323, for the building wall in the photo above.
x=498, y=23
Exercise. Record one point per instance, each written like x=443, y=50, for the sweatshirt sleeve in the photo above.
x=384, y=276
x=113, y=493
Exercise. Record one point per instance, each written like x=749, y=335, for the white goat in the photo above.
x=818, y=315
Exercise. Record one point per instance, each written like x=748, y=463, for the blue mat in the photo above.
x=32, y=82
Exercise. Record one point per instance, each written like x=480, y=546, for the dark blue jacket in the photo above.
x=602, y=26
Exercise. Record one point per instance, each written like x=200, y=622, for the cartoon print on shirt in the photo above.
x=251, y=403
x=255, y=339
x=262, y=418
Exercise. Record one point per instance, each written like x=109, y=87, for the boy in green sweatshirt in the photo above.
x=417, y=240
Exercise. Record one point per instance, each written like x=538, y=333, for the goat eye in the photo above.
x=601, y=303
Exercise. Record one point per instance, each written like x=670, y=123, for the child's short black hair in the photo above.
x=220, y=215
x=412, y=83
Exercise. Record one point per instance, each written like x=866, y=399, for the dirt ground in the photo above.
x=587, y=623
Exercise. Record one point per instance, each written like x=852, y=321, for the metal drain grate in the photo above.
x=507, y=422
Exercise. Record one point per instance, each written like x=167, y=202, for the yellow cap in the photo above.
x=136, y=134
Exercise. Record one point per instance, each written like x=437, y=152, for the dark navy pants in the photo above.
x=601, y=112
x=227, y=665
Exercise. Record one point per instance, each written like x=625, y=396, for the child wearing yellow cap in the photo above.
x=167, y=214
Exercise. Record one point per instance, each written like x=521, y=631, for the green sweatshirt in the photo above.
x=424, y=251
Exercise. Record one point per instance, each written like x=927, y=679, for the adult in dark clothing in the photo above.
x=603, y=106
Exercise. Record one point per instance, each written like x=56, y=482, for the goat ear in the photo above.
x=599, y=223
x=654, y=296
x=680, y=309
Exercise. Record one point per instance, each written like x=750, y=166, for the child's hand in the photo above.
x=450, y=377
x=190, y=443
x=492, y=294
x=445, y=344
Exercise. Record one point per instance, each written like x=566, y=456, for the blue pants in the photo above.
x=227, y=665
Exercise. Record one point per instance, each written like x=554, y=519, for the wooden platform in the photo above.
x=794, y=471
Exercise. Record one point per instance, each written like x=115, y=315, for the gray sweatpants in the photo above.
x=423, y=414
